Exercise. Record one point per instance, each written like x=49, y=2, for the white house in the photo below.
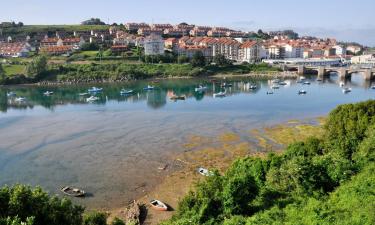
x=154, y=45
x=293, y=51
x=340, y=50
x=250, y=51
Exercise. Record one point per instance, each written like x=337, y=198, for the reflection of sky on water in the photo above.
x=116, y=145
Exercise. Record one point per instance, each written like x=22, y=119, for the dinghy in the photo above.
x=158, y=205
x=83, y=94
x=71, y=191
x=176, y=97
x=253, y=87
x=11, y=94
x=306, y=83
x=204, y=172
x=302, y=92
x=282, y=83
x=269, y=92
x=275, y=87
x=226, y=85
x=20, y=99
x=346, y=90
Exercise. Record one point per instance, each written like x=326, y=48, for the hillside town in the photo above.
x=186, y=40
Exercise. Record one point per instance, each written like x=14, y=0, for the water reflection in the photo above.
x=157, y=98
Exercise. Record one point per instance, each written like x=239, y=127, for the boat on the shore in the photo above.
x=204, y=172
x=302, y=92
x=177, y=97
x=220, y=94
x=201, y=89
x=48, y=93
x=158, y=205
x=95, y=90
x=72, y=191
x=149, y=88
x=126, y=92
x=92, y=99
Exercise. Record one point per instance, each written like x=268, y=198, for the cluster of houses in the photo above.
x=184, y=39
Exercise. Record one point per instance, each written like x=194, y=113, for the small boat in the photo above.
x=282, y=83
x=302, y=92
x=176, y=97
x=95, y=89
x=83, y=94
x=306, y=83
x=253, y=87
x=319, y=79
x=11, y=94
x=201, y=89
x=158, y=205
x=48, y=93
x=373, y=87
x=275, y=87
x=346, y=90
x=204, y=172
x=20, y=99
x=342, y=84
x=275, y=81
x=219, y=94
x=92, y=99
x=126, y=92
x=269, y=92
x=148, y=88
x=71, y=191
x=226, y=85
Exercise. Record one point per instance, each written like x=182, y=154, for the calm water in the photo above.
x=114, y=146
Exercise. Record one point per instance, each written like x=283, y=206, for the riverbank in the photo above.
x=218, y=152
x=122, y=72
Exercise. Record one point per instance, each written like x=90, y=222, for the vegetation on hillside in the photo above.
x=317, y=181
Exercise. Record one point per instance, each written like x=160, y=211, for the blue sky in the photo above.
x=344, y=19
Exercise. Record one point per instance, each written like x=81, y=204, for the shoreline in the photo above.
x=219, y=154
x=264, y=75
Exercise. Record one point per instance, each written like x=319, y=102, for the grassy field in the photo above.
x=14, y=69
x=29, y=29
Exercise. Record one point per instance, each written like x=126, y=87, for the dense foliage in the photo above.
x=37, y=67
x=23, y=205
x=319, y=181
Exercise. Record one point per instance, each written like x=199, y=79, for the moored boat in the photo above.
x=126, y=92
x=275, y=87
x=346, y=90
x=83, y=94
x=373, y=87
x=219, y=94
x=20, y=99
x=149, y=88
x=283, y=83
x=269, y=92
x=201, y=89
x=306, y=83
x=253, y=87
x=226, y=85
x=95, y=89
x=72, y=191
x=48, y=93
x=11, y=94
x=92, y=99
x=177, y=97
x=302, y=92
x=158, y=205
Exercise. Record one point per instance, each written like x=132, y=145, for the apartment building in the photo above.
x=154, y=45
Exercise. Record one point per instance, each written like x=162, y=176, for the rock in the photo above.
x=132, y=213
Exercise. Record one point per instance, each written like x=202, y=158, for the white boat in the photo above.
x=83, y=94
x=302, y=92
x=95, y=89
x=342, y=84
x=11, y=94
x=373, y=87
x=282, y=83
x=275, y=87
x=219, y=94
x=253, y=87
x=71, y=191
x=226, y=85
x=48, y=93
x=204, y=172
x=20, y=99
x=306, y=83
x=126, y=92
x=148, y=88
x=158, y=205
x=92, y=99
x=346, y=90
x=275, y=81
x=201, y=89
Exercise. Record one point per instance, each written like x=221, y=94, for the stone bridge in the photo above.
x=343, y=72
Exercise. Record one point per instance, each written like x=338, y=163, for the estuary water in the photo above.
x=113, y=146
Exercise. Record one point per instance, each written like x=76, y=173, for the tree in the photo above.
x=220, y=60
x=37, y=67
x=95, y=218
x=2, y=73
x=93, y=21
x=198, y=59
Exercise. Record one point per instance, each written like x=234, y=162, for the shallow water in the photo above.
x=113, y=147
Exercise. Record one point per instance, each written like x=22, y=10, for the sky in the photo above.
x=346, y=20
